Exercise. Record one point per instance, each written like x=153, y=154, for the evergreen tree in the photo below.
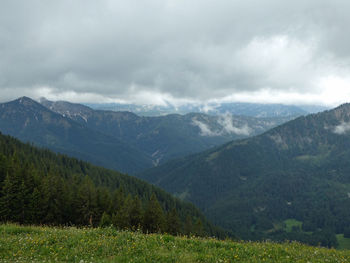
x=6, y=201
x=11, y=202
x=24, y=196
x=36, y=207
x=153, y=220
x=122, y=216
x=198, y=227
x=188, y=225
x=117, y=201
x=136, y=214
x=173, y=223
x=104, y=201
x=3, y=169
x=86, y=202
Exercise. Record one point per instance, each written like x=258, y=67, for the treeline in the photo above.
x=40, y=187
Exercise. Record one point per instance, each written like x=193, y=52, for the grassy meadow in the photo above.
x=46, y=244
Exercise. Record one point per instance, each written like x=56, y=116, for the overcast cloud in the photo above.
x=158, y=51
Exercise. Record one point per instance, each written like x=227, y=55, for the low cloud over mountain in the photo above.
x=225, y=126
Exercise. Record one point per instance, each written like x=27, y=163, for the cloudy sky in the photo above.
x=176, y=51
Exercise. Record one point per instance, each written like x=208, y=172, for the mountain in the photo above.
x=40, y=187
x=30, y=121
x=258, y=110
x=236, y=108
x=166, y=137
x=296, y=172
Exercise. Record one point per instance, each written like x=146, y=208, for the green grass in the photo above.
x=344, y=243
x=44, y=244
x=290, y=223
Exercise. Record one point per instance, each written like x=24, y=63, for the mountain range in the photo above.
x=236, y=108
x=297, y=171
x=166, y=137
x=122, y=140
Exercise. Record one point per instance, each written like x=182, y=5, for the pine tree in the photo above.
x=3, y=168
x=36, y=205
x=122, y=216
x=86, y=202
x=173, y=223
x=6, y=201
x=117, y=201
x=188, y=225
x=104, y=201
x=153, y=220
x=136, y=213
x=198, y=227
x=24, y=196
x=11, y=203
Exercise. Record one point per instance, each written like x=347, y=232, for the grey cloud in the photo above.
x=197, y=50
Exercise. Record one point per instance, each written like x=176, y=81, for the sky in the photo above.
x=176, y=51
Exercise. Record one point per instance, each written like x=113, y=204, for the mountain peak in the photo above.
x=25, y=100
x=24, y=103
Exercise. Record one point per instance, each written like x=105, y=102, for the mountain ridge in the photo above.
x=30, y=121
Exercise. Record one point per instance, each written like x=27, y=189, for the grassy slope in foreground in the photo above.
x=39, y=244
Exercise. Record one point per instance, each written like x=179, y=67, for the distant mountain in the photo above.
x=258, y=110
x=238, y=108
x=299, y=170
x=30, y=121
x=170, y=136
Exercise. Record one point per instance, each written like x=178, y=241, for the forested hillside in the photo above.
x=297, y=172
x=40, y=187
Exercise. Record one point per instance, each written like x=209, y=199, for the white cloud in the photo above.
x=342, y=128
x=204, y=128
x=227, y=126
